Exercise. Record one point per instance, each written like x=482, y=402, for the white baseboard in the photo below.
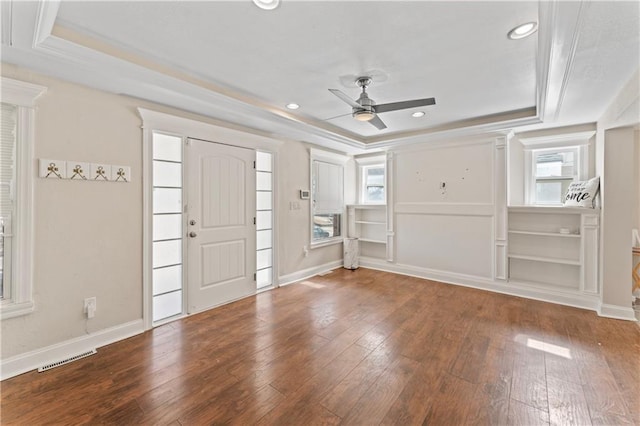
x=28, y=361
x=512, y=288
x=309, y=272
x=617, y=312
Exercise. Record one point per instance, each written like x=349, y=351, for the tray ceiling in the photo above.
x=234, y=61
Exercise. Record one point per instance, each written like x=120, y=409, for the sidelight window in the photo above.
x=167, y=259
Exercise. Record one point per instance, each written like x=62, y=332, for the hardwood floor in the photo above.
x=362, y=348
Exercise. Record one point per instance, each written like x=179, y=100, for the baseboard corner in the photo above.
x=617, y=312
x=308, y=273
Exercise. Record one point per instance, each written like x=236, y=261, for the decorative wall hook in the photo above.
x=78, y=172
x=101, y=172
x=52, y=169
x=121, y=175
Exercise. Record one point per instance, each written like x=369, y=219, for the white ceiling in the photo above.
x=236, y=62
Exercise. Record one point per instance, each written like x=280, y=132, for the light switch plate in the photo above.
x=52, y=169
x=78, y=170
x=121, y=173
x=100, y=172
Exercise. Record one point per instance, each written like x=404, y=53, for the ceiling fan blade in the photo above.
x=345, y=98
x=337, y=116
x=378, y=123
x=394, y=106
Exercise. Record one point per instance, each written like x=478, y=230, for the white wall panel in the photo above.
x=459, y=244
x=465, y=169
x=448, y=229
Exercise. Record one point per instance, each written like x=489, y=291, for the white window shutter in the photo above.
x=329, y=196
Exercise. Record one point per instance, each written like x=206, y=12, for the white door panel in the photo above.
x=221, y=250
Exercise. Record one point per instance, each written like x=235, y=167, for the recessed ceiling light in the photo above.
x=293, y=106
x=522, y=31
x=418, y=114
x=267, y=4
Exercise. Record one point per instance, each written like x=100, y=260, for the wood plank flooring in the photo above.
x=356, y=348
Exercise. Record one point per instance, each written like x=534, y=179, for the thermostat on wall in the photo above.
x=304, y=194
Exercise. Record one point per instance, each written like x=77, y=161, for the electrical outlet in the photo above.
x=90, y=306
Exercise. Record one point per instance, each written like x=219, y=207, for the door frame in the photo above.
x=154, y=121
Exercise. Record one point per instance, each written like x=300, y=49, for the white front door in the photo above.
x=221, y=190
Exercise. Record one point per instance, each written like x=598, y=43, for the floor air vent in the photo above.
x=66, y=360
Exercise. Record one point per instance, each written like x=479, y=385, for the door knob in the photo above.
x=193, y=234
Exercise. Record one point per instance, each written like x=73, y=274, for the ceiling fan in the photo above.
x=365, y=109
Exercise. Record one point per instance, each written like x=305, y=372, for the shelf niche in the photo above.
x=367, y=222
x=554, y=248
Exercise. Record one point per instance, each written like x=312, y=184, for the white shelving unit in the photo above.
x=540, y=254
x=367, y=222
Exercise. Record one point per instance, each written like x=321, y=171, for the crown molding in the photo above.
x=19, y=92
x=559, y=32
x=47, y=13
x=61, y=53
x=575, y=138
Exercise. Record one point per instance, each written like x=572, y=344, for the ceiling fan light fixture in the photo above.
x=418, y=114
x=523, y=30
x=267, y=4
x=364, y=115
x=292, y=106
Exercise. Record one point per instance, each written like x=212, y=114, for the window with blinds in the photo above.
x=7, y=206
x=553, y=171
x=327, y=194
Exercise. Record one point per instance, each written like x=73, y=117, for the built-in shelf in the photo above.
x=368, y=223
x=539, y=254
x=545, y=259
x=545, y=234
x=552, y=209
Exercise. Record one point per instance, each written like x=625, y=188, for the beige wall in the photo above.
x=293, y=224
x=88, y=235
x=617, y=218
x=615, y=155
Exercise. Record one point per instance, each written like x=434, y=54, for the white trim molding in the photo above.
x=580, y=141
x=187, y=128
x=525, y=290
x=559, y=32
x=28, y=361
x=24, y=96
x=20, y=93
x=617, y=312
x=303, y=274
x=501, y=243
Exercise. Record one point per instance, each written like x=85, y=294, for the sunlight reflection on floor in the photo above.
x=542, y=346
x=312, y=284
